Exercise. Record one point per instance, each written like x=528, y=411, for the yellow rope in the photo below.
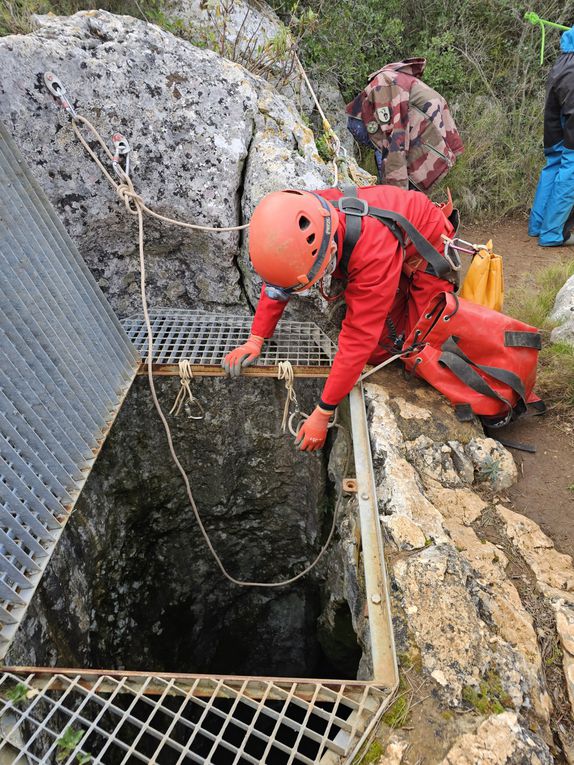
x=331, y=135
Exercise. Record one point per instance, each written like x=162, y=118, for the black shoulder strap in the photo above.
x=355, y=209
x=439, y=264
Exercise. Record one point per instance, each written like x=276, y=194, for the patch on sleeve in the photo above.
x=384, y=114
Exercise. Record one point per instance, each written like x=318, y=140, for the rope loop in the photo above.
x=185, y=394
x=285, y=372
x=295, y=430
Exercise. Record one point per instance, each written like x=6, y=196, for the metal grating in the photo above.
x=205, y=338
x=69, y=717
x=66, y=368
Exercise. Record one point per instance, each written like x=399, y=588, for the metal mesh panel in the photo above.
x=129, y=718
x=66, y=367
x=205, y=338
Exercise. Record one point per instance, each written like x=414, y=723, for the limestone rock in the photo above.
x=553, y=570
x=450, y=632
x=565, y=628
x=394, y=751
x=563, y=312
x=500, y=740
x=399, y=490
x=434, y=461
x=208, y=140
x=405, y=533
x=461, y=611
x=243, y=33
x=494, y=465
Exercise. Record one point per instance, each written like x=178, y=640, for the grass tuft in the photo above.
x=533, y=305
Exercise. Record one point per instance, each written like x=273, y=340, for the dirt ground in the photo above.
x=545, y=489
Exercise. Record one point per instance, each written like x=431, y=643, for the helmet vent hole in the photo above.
x=311, y=238
x=304, y=223
x=314, y=252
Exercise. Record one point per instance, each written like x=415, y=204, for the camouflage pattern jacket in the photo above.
x=410, y=123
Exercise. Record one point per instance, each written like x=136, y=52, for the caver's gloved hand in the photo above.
x=242, y=356
x=313, y=431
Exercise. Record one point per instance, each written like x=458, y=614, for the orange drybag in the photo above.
x=483, y=361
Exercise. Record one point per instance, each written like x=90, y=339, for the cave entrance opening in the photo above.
x=64, y=380
x=173, y=627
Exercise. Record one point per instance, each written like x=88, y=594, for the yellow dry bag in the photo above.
x=484, y=281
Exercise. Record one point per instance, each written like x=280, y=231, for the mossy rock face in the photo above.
x=489, y=697
x=373, y=754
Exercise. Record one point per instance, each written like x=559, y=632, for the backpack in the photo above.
x=410, y=123
x=483, y=361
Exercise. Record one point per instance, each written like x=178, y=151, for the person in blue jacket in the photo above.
x=550, y=217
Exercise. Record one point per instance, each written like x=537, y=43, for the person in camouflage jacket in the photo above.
x=408, y=124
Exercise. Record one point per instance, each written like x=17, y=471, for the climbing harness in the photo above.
x=355, y=209
x=136, y=206
x=535, y=19
x=185, y=397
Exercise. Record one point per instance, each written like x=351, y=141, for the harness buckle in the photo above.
x=353, y=206
x=58, y=91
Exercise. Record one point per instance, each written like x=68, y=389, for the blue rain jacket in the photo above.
x=554, y=198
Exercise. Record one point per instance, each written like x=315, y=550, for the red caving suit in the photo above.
x=377, y=286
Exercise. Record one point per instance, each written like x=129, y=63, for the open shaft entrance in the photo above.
x=133, y=584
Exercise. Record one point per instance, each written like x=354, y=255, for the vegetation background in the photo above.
x=482, y=56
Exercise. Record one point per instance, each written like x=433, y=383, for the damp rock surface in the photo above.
x=132, y=584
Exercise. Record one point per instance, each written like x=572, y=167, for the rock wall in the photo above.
x=482, y=602
x=208, y=141
x=132, y=584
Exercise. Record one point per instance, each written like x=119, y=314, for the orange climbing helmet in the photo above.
x=290, y=238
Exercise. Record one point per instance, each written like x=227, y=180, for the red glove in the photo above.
x=242, y=356
x=313, y=432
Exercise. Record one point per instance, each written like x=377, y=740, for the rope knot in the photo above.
x=285, y=372
x=131, y=199
x=185, y=392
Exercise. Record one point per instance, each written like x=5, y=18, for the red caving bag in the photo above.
x=483, y=361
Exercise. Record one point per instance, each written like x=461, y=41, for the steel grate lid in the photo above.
x=66, y=368
x=205, y=338
x=73, y=716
